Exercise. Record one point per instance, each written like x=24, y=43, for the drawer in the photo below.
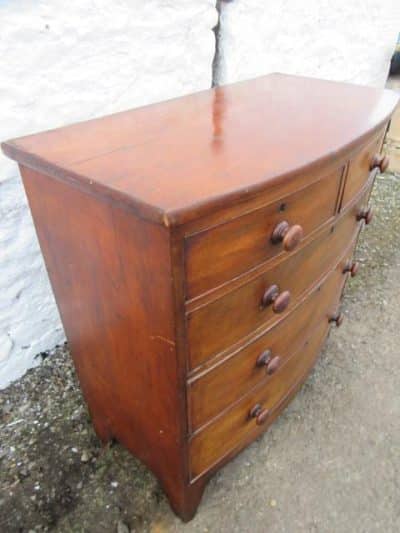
x=228, y=431
x=221, y=253
x=360, y=168
x=212, y=391
x=218, y=325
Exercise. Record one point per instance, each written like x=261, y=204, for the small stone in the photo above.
x=159, y=527
x=122, y=528
x=85, y=457
x=24, y=472
x=272, y=503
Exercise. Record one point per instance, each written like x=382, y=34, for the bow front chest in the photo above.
x=198, y=249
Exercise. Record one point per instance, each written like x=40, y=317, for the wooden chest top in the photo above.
x=178, y=160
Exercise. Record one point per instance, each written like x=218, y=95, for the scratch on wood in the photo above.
x=168, y=341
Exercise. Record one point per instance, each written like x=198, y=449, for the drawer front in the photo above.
x=221, y=323
x=360, y=168
x=228, y=431
x=212, y=391
x=216, y=255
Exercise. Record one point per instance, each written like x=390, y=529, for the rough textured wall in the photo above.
x=64, y=62
x=337, y=40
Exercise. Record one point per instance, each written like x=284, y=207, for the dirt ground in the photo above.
x=330, y=463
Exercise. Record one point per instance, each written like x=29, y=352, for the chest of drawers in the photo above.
x=198, y=249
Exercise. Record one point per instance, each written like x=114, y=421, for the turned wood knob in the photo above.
x=352, y=267
x=365, y=214
x=260, y=414
x=279, y=300
x=271, y=363
x=380, y=161
x=289, y=236
x=337, y=318
x=264, y=358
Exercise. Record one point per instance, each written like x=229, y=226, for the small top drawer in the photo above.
x=360, y=167
x=218, y=254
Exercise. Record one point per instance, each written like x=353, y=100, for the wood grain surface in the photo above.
x=225, y=251
x=178, y=160
x=197, y=250
x=213, y=390
x=217, y=325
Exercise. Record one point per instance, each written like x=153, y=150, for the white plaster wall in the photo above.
x=67, y=61
x=338, y=40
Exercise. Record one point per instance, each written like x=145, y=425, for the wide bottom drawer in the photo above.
x=210, y=445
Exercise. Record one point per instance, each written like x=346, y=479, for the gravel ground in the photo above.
x=331, y=462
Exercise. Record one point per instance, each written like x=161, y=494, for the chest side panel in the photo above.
x=111, y=275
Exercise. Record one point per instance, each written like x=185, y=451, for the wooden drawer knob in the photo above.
x=264, y=358
x=289, y=236
x=261, y=415
x=385, y=164
x=352, y=267
x=267, y=360
x=337, y=318
x=365, y=214
x=279, y=300
x=273, y=365
x=380, y=161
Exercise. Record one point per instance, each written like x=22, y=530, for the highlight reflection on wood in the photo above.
x=198, y=249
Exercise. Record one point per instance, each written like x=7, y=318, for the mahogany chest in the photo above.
x=198, y=249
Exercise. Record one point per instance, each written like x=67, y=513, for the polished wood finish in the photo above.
x=227, y=431
x=204, y=144
x=198, y=256
x=91, y=249
x=226, y=319
x=220, y=253
x=229, y=378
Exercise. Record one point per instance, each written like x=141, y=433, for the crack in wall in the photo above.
x=217, y=60
x=216, y=64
